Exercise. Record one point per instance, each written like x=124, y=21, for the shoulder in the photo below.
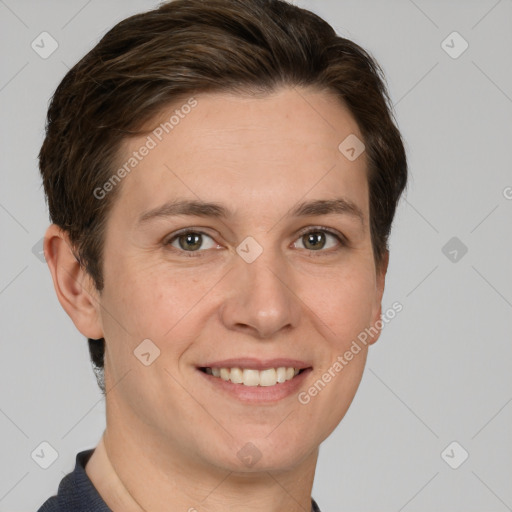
x=76, y=492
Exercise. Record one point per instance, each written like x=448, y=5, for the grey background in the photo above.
x=441, y=370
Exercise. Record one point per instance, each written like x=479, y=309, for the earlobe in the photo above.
x=72, y=284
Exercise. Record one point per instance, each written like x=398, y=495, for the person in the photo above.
x=221, y=179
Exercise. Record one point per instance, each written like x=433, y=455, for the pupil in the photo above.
x=192, y=241
x=315, y=240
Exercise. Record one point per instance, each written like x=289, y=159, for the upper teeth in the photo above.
x=249, y=377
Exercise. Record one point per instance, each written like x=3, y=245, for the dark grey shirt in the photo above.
x=76, y=492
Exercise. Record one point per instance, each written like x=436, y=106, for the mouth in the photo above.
x=252, y=377
x=255, y=381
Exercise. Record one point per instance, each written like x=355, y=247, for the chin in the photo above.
x=263, y=454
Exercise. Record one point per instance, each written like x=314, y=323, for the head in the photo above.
x=242, y=105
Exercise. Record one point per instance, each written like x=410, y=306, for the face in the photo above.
x=278, y=272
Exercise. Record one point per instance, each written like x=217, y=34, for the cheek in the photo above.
x=345, y=306
x=150, y=300
x=147, y=303
x=343, y=302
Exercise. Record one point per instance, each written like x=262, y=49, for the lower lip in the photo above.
x=258, y=394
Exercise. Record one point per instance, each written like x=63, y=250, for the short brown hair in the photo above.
x=147, y=61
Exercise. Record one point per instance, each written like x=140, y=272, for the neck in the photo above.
x=128, y=478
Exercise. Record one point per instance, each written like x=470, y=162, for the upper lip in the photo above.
x=257, y=364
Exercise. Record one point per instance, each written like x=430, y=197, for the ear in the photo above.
x=379, y=292
x=74, y=287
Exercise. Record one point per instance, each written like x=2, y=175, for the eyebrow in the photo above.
x=197, y=208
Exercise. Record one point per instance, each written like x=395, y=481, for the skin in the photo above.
x=171, y=441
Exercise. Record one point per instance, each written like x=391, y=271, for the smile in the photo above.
x=252, y=377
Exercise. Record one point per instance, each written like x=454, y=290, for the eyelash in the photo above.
x=193, y=254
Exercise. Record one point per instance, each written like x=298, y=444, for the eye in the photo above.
x=317, y=239
x=313, y=240
x=190, y=241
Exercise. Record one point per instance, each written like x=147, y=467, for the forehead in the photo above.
x=245, y=149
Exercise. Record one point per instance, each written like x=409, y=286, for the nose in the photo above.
x=259, y=297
